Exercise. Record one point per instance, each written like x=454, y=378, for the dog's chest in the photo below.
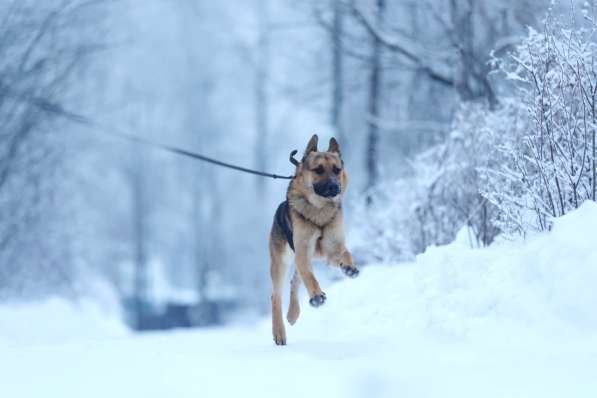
x=318, y=216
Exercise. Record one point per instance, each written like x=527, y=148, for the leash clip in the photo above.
x=292, y=159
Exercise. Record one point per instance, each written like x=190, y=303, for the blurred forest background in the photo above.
x=424, y=96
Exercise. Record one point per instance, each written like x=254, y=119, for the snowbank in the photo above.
x=56, y=320
x=545, y=284
x=541, y=288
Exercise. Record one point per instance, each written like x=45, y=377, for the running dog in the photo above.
x=308, y=225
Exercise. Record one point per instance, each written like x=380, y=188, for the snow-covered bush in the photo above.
x=550, y=164
x=531, y=159
x=443, y=195
x=382, y=228
x=512, y=167
x=504, y=129
x=449, y=186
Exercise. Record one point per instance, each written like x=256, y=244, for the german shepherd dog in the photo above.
x=310, y=224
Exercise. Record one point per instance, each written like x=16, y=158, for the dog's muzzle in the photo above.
x=327, y=189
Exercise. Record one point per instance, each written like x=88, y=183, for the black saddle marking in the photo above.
x=282, y=219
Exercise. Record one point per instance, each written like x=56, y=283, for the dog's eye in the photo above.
x=319, y=170
x=336, y=170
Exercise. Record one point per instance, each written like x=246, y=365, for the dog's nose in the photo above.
x=327, y=189
x=333, y=189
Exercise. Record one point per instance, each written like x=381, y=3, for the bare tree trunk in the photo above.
x=199, y=255
x=338, y=73
x=462, y=32
x=593, y=133
x=372, y=155
x=262, y=66
x=139, y=213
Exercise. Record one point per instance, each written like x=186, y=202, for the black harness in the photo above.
x=282, y=219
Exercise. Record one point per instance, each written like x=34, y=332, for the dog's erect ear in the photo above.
x=334, y=146
x=312, y=145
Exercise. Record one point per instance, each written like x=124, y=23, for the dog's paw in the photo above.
x=351, y=271
x=280, y=338
x=317, y=300
x=293, y=313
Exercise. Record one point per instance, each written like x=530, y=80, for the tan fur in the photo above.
x=318, y=229
x=294, y=308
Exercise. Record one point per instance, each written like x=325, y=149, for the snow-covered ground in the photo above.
x=518, y=319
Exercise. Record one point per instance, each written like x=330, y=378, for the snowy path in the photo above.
x=230, y=363
x=333, y=352
x=513, y=320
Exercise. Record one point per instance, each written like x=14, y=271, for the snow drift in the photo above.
x=57, y=320
x=544, y=286
x=515, y=319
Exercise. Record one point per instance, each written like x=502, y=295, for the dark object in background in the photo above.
x=146, y=316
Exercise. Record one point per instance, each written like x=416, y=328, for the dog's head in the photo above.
x=323, y=172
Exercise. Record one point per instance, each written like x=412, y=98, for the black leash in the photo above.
x=88, y=122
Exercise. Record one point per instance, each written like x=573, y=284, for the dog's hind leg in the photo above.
x=280, y=258
x=294, y=309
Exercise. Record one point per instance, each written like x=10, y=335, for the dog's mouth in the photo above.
x=327, y=189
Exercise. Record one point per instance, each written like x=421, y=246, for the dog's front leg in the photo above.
x=335, y=249
x=343, y=259
x=338, y=255
x=304, y=242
